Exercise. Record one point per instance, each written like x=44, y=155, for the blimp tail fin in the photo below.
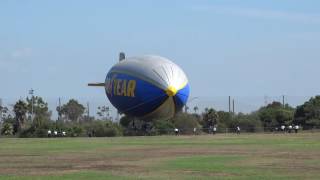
x=96, y=84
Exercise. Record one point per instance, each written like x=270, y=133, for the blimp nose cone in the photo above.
x=171, y=91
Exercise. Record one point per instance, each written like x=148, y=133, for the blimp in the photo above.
x=146, y=87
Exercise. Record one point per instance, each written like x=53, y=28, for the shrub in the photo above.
x=162, y=127
x=28, y=132
x=7, y=129
x=41, y=133
x=103, y=129
x=75, y=131
x=185, y=123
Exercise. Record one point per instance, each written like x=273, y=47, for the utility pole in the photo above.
x=88, y=110
x=229, y=104
x=265, y=100
x=59, y=113
x=283, y=101
x=233, y=106
x=31, y=91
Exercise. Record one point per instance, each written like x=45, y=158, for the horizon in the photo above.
x=243, y=104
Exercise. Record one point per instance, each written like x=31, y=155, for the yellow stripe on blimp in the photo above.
x=172, y=91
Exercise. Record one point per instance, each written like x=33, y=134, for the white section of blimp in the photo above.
x=157, y=70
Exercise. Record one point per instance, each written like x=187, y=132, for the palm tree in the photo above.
x=20, y=109
x=195, y=109
x=6, y=129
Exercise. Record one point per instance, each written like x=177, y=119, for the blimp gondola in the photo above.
x=147, y=87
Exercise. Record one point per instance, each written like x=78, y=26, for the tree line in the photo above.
x=32, y=118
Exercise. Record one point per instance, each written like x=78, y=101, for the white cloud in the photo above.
x=21, y=53
x=307, y=35
x=261, y=13
x=14, y=61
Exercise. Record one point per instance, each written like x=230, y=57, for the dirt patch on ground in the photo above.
x=126, y=160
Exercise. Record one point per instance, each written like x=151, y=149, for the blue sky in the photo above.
x=237, y=48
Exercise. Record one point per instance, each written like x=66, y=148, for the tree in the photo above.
x=20, y=109
x=40, y=123
x=40, y=111
x=225, y=120
x=72, y=110
x=104, y=112
x=125, y=121
x=210, y=118
x=308, y=114
x=248, y=122
x=3, y=110
x=4, y=113
x=275, y=114
x=195, y=109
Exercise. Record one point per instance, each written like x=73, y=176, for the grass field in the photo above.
x=245, y=156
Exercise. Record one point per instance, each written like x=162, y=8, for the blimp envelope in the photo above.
x=147, y=87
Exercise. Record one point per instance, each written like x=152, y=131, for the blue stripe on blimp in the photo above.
x=133, y=96
x=181, y=97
